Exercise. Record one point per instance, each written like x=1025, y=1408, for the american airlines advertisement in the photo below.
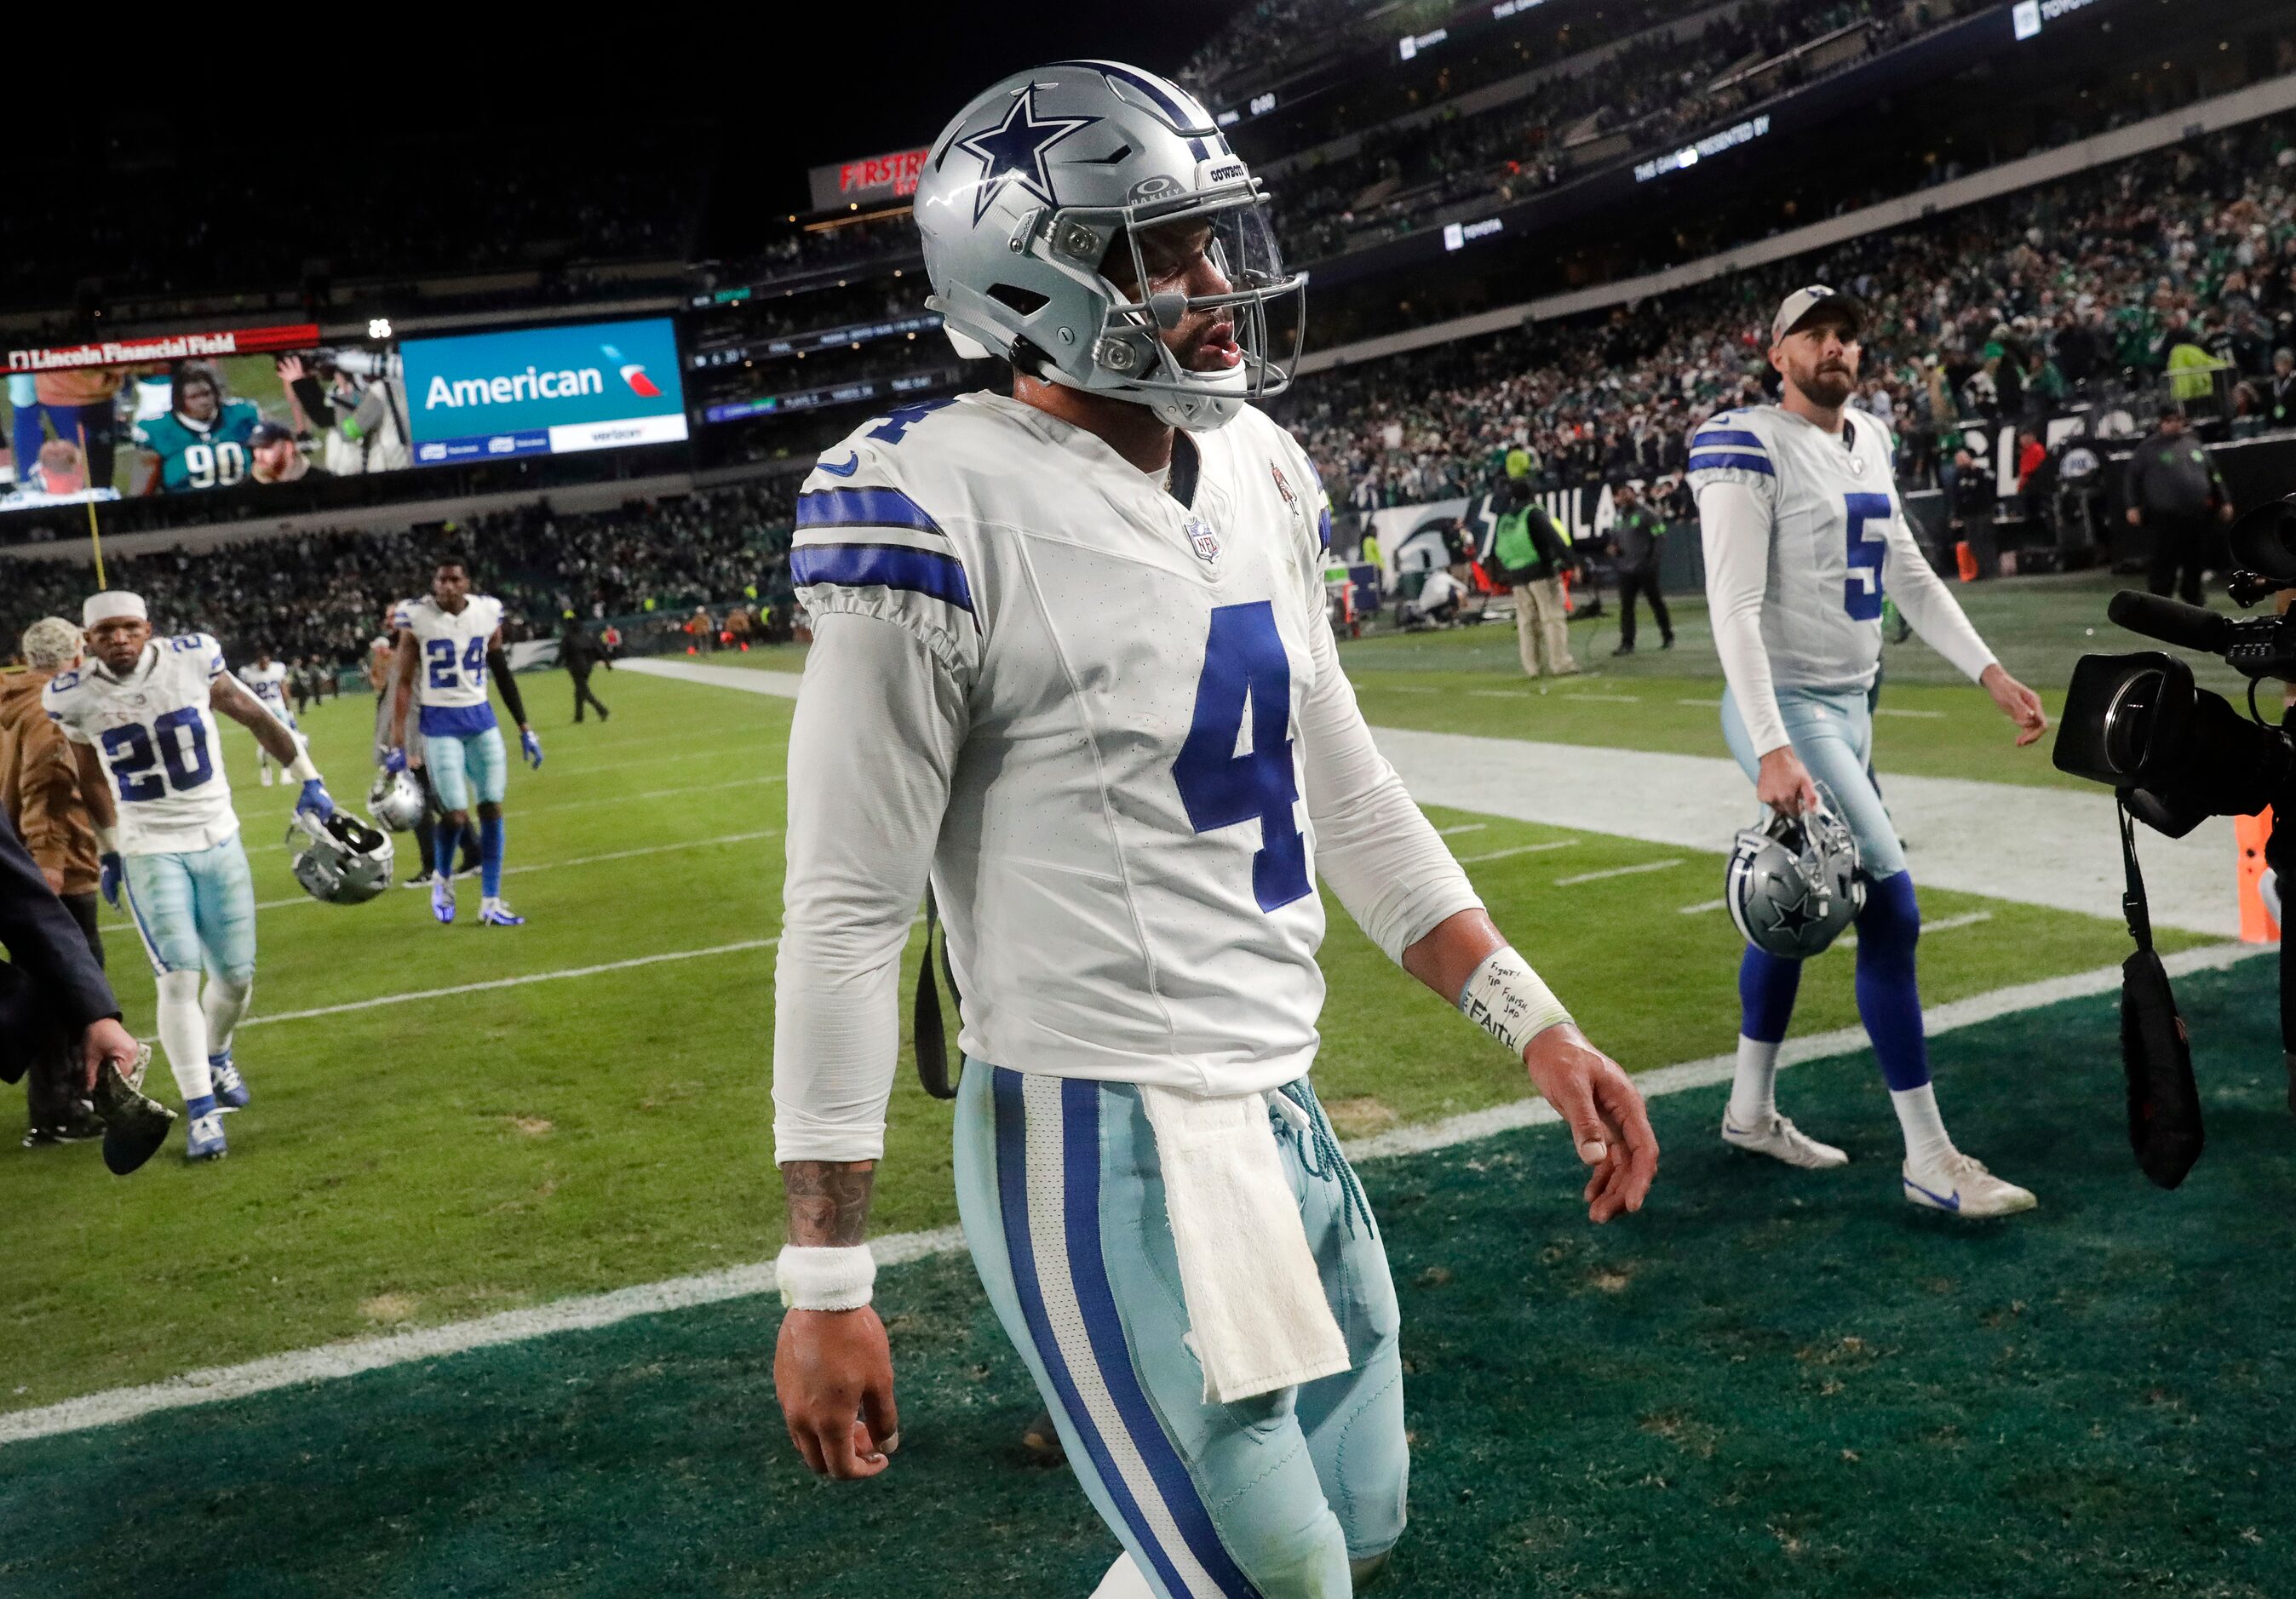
x=536, y=392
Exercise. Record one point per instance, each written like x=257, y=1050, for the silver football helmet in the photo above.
x=1033, y=204
x=396, y=799
x=1792, y=882
x=342, y=860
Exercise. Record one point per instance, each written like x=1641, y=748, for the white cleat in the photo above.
x=1961, y=1185
x=1781, y=1140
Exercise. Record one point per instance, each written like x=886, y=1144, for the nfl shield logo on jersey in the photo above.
x=1206, y=542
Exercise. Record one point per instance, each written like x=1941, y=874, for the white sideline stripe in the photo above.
x=1702, y=907
x=1892, y=710
x=579, y=860
x=782, y=686
x=1500, y=855
x=218, y=1383
x=1446, y=832
x=513, y=982
x=1634, y=871
x=1946, y=924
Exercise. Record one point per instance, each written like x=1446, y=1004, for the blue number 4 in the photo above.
x=1245, y=668
x=1861, y=594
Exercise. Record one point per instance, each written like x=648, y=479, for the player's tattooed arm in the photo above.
x=828, y=1201
x=229, y=697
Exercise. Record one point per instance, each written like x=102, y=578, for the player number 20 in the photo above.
x=1245, y=670
x=182, y=749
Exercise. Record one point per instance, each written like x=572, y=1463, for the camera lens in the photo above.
x=2129, y=721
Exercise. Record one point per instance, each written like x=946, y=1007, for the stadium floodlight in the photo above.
x=377, y=327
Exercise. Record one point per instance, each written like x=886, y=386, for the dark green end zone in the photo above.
x=1771, y=1382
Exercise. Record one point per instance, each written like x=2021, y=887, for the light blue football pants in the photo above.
x=464, y=765
x=1062, y=1200
x=195, y=910
x=1833, y=732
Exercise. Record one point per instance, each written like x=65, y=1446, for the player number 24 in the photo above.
x=1245, y=669
x=443, y=663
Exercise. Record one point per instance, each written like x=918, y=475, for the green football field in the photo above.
x=449, y=1123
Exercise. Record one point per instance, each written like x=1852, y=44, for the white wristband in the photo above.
x=303, y=771
x=818, y=1278
x=107, y=840
x=1507, y=1000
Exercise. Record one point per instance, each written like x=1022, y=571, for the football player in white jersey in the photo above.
x=449, y=642
x=1072, y=666
x=267, y=680
x=1804, y=534
x=139, y=717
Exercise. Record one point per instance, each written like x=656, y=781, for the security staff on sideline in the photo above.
x=2174, y=488
x=579, y=652
x=1635, y=530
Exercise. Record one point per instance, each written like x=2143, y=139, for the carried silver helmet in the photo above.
x=1033, y=204
x=1793, y=883
x=342, y=860
x=395, y=800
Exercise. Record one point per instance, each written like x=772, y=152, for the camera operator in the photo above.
x=40, y=795
x=2174, y=488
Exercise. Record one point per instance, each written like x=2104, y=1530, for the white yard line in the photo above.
x=1634, y=871
x=1943, y=924
x=694, y=788
x=1701, y=704
x=1893, y=710
x=1462, y=827
x=1703, y=906
x=579, y=860
x=1500, y=855
x=1609, y=699
x=214, y=1385
x=561, y=975
x=750, y=680
x=1500, y=694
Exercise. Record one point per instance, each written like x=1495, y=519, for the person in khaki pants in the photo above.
x=1529, y=557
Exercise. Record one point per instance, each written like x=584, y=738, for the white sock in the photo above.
x=1753, y=1091
x=224, y=1003
x=184, y=1033
x=1926, y=1143
x=1124, y=1581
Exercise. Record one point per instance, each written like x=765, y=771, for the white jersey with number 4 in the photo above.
x=1113, y=724
x=268, y=685
x=156, y=735
x=450, y=674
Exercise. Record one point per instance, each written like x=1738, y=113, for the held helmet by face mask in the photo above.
x=1793, y=883
x=343, y=861
x=395, y=800
x=1074, y=213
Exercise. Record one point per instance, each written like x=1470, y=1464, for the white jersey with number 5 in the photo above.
x=450, y=673
x=156, y=735
x=1126, y=698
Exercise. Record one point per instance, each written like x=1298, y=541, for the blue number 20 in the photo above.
x=1245, y=666
x=1861, y=594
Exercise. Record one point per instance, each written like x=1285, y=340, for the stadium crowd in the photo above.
x=1655, y=90
x=2181, y=262
x=320, y=598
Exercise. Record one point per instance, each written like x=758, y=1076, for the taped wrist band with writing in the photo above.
x=816, y=1277
x=1509, y=1001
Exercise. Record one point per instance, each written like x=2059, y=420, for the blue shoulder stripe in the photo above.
x=1699, y=440
x=863, y=508
x=1760, y=463
x=892, y=565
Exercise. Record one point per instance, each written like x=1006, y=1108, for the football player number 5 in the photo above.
x=1245, y=670
x=1862, y=592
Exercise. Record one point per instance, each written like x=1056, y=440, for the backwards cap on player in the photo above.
x=1804, y=306
x=110, y=606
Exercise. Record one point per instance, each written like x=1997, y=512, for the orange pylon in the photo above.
x=2255, y=923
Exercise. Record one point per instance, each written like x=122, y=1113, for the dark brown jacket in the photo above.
x=39, y=786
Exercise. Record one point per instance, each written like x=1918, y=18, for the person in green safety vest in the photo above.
x=1528, y=556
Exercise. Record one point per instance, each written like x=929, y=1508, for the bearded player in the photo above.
x=448, y=643
x=1071, y=667
x=1804, y=534
x=141, y=720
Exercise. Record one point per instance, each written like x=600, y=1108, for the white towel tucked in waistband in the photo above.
x=1256, y=1309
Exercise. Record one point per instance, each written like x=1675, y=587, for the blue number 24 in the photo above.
x=1245, y=668
x=1861, y=595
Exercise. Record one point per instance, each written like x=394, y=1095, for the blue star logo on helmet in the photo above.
x=1014, y=152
